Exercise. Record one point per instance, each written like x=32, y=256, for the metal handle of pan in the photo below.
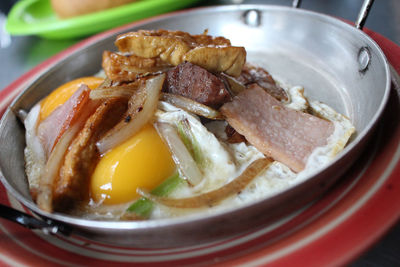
x=296, y=3
x=362, y=15
x=30, y=222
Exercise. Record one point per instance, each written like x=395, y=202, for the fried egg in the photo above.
x=236, y=157
x=64, y=92
x=35, y=159
x=144, y=160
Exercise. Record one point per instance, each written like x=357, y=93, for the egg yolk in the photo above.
x=64, y=92
x=142, y=161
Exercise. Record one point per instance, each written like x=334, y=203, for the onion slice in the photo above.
x=141, y=108
x=110, y=92
x=190, y=141
x=192, y=106
x=234, y=87
x=212, y=197
x=187, y=166
x=45, y=191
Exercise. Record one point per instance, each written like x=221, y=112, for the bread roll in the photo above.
x=71, y=8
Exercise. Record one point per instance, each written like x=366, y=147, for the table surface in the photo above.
x=22, y=53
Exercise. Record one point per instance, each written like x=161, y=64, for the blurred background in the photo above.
x=26, y=52
x=19, y=54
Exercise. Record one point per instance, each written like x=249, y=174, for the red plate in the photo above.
x=334, y=230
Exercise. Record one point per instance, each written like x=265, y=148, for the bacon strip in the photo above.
x=284, y=134
x=53, y=127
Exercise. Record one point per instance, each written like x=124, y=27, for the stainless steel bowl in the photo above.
x=335, y=62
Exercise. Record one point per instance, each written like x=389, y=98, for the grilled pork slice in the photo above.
x=72, y=184
x=174, y=47
x=196, y=83
x=124, y=68
x=284, y=134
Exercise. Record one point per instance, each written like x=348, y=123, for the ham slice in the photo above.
x=286, y=135
x=52, y=128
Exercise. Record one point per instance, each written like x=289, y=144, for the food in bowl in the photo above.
x=179, y=124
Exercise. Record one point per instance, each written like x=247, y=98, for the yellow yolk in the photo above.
x=142, y=161
x=64, y=92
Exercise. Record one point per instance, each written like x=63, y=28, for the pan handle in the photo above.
x=362, y=15
x=296, y=3
x=30, y=222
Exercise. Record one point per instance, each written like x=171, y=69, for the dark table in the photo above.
x=20, y=54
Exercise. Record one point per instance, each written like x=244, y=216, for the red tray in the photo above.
x=332, y=231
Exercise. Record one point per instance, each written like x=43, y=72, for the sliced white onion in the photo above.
x=233, y=85
x=192, y=106
x=110, y=92
x=212, y=197
x=142, y=107
x=45, y=193
x=186, y=165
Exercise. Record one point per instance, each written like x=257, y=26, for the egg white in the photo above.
x=236, y=157
x=225, y=161
x=35, y=160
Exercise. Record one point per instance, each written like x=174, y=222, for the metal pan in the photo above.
x=336, y=63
